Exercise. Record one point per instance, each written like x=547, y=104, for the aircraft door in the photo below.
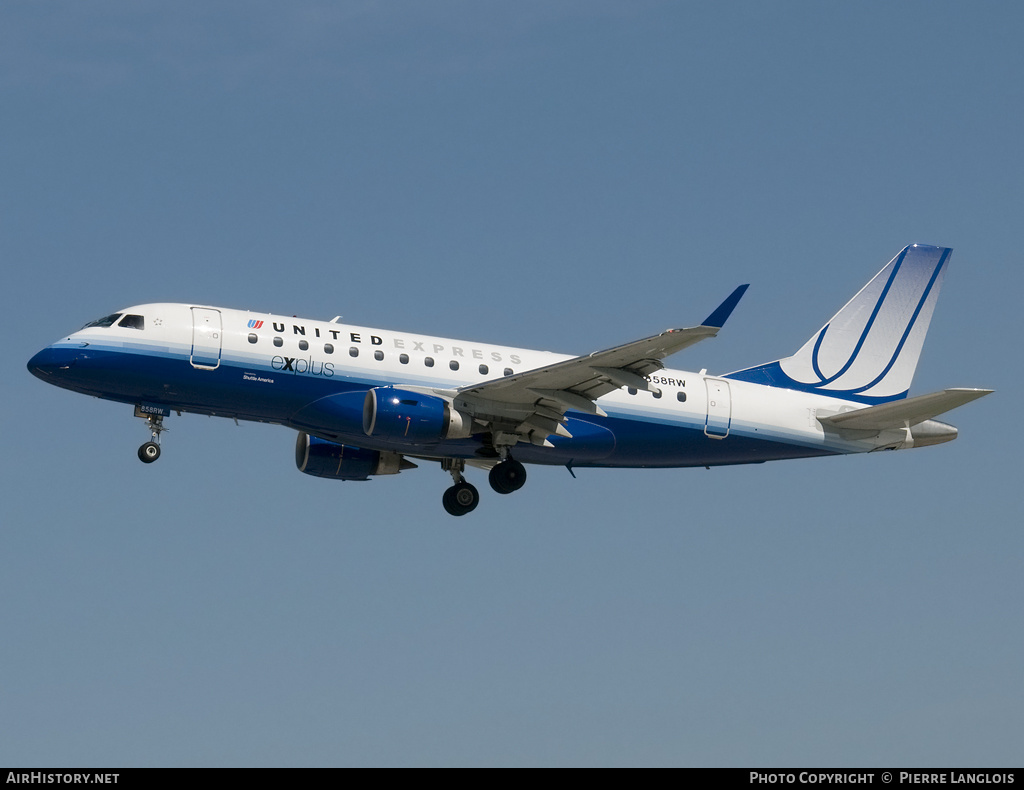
x=719, y=418
x=206, y=338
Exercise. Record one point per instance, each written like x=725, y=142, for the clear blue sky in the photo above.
x=561, y=175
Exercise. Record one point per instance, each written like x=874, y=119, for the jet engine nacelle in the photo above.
x=321, y=458
x=393, y=414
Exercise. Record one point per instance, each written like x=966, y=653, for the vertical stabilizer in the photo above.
x=869, y=350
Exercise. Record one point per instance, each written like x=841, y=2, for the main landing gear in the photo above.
x=462, y=498
x=508, y=476
x=150, y=451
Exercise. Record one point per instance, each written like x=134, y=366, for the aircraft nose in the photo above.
x=52, y=362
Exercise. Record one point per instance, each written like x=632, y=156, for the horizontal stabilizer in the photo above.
x=903, y=413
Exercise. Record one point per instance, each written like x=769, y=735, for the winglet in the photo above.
x=717, y=319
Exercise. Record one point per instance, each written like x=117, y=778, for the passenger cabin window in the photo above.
x=454, y=364
x=353, y=352
x=278, y=341
x=403, y=358
x=303, y=345
x=483, y=370
x=378, y=355
x=107, y=320
x=428, y=361
x=133, y=322
x=328, y=348
x=681, y=397
x=253, y=337
x=508, y=371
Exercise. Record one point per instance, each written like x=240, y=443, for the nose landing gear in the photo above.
x=150, y=451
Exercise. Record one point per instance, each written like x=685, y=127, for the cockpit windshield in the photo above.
x=133, y=322
x=107, y=320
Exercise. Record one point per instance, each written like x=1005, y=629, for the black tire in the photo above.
x=508, y=476
x=448, y=501
x=460, y=499
x=149, y=452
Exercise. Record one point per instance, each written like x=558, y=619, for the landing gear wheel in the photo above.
x=508, y=476
x=461, y=499
x=149, y=452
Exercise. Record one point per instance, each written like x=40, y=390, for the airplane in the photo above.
x=366, y=402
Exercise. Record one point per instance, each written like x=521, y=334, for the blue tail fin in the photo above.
x=869, y=350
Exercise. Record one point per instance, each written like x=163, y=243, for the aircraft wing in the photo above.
x=531, y=405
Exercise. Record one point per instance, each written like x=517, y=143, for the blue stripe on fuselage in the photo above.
x=256, y=388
